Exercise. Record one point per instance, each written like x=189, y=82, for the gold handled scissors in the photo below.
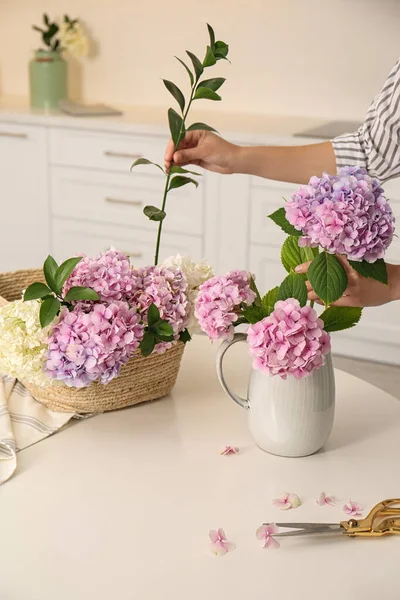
x=383, y=519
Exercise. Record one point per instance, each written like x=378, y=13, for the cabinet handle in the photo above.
x=122, y=155
x=132, y=254
x=121, y=201
x=12, y=134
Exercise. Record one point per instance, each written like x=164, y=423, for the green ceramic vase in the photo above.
x=47, y=79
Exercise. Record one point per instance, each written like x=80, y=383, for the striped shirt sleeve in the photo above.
x=376, y=144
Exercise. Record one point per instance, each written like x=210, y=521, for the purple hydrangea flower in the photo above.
x=92, y=343
x=110, y=275
x=218, y=301
x=168, y=290
x=290, y=341
x=345, y=214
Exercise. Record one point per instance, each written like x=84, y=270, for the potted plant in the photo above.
x=48, y=69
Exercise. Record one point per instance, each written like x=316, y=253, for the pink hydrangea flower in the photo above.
x=229, y=450
x=92, y=343
x=287, y=501
x=353, y=509
x=218, y=301
x=219, y=543
x=345, y=214
x=109, y=274
x=324, y=499
x=266, y=533
x=291, y=341
x=167, y=288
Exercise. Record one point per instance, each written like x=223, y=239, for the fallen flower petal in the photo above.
x=287, y=501
x=353, y=509
x=219, y=543
x=229, y=450
x=325, y=499
x=266, y=533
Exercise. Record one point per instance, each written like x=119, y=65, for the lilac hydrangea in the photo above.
x=167, y=288
x=109, y=274
x=218, y=302
x=92, y=343
x=291, y=341
x=345, y=214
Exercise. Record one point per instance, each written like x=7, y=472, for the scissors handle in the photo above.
x=383, y=519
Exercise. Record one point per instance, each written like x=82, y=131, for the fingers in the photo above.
x=187, y=152
x=303, y=268
x=187, y=157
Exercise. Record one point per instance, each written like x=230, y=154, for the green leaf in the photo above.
x=64, y=271
x=175, y=126
x=293, y=286
x=153, y=315
x=198, y=67
x=35, y=291
x=279, y=217
x=209, y=59
x=46, y=19
x=179, y=180
x=212, y=84
x=163, y=328
x=292, y=255
x=253, y=314
x=189, y=72
x=212, y=35
x=206, y=94
x=36, y=28
x=269, y=300
x=176, y=169
x=221, y=50
x=176, y=93
x=327, y=277
x=254, y=288
x=337, y=318
x=50, y=269
x=185, y=336
x=147, y=344
x=145, y=161
x=154, y=213
x=48, y=310
x=376, y=270
x=79, y=292
x=201, y=127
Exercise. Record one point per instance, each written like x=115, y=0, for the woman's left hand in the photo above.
x=362, y=291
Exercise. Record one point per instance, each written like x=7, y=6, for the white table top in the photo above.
x=120, y=506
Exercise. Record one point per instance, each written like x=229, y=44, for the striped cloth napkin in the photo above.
x=23, y=422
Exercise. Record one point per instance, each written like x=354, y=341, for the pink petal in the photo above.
x=221, y=534
x=218, y=548
x=271, y=542
x=324, y=499
x=261, y=532
x=354, y=509
x=272, y=528
x=229, y=450
x=213, y=535
x=287, y=501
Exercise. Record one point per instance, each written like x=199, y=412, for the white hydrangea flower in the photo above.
x=23, y=342
x=196, y=274
x=73, y=39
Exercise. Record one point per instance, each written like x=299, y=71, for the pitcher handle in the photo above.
x=238, y=337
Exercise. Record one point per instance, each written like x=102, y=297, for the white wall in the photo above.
x=322, y=58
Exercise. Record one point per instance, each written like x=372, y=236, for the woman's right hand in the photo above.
x=205, y=149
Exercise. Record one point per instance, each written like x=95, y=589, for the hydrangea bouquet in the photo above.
x=88, y=317
x=343, y=215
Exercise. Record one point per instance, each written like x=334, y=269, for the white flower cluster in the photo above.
x=73, y=39
x=23, y=342
x=196, y=274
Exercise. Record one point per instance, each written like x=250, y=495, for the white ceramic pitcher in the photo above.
x=288, y=417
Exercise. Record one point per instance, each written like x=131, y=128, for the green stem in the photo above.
x=312, y=303
x=160, y=225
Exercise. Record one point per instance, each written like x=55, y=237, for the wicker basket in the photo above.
x=141, y=379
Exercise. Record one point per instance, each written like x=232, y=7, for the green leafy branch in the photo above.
x=51, y=296
x=158, y=330
x=49, y=31
x=199, y=89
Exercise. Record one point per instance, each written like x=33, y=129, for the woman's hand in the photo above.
x=362, y=291
x=205, y=149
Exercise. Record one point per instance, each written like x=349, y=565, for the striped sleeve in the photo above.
x=376, y=144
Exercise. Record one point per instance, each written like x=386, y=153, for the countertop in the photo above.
x=153, y=120
x=120, y=505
